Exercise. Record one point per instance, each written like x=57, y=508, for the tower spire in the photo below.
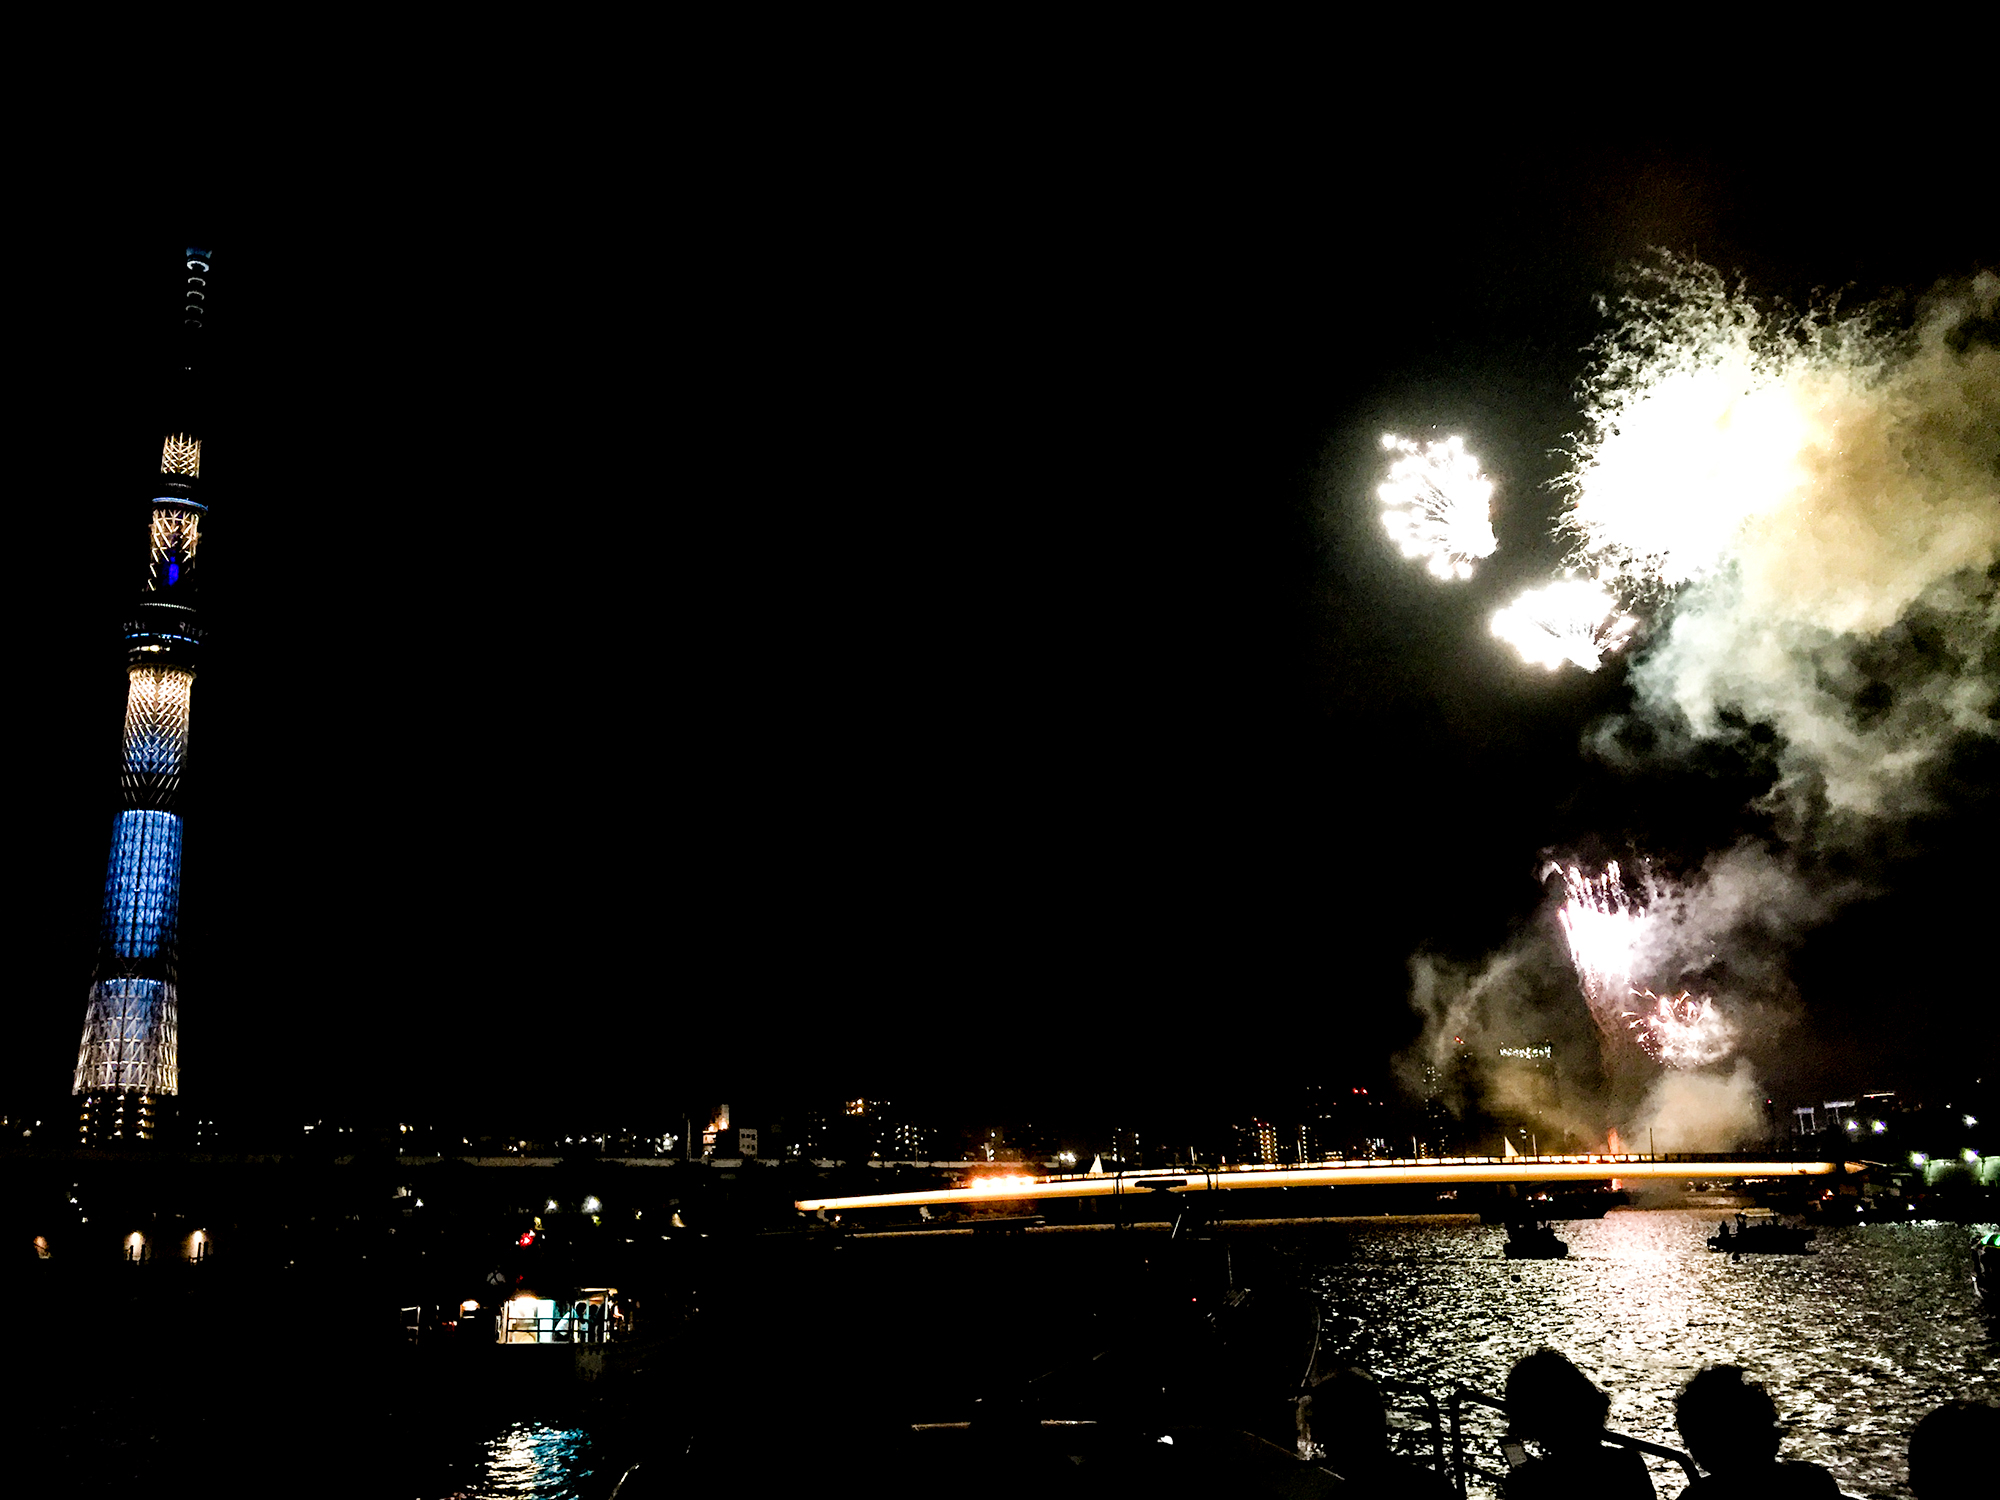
x=128, y=1066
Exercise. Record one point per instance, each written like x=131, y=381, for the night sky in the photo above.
x=878, y=616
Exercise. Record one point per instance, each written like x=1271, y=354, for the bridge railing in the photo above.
x=1406, y=1441
x=563, y=1328
x=1465, y=1467
x=1610, y=1160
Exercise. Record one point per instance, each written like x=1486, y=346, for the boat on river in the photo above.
x=1759, y=1231
x=585, y=1334
x=1986, y=1269
x=1534, y=1239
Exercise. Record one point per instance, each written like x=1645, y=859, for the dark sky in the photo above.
x=877, y=615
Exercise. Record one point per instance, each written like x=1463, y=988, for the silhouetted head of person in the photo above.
x=1552, y=1401
x=1347, y=1415
x=1953, y=1449
x=1728, y=1423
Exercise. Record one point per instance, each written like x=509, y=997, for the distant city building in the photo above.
x=711, y=1137
x=1869, y=1115
x=1124, y=1153
x=861, y=1129
x=1254, y=1142
x=128, y=1066
x=1342, y=1120
x=904, y=1140
x=994, y=1144
x=812, y=1136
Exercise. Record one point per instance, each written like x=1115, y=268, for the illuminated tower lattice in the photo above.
x=129, y=1064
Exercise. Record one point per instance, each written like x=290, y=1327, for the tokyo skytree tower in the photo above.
x=128, y=1068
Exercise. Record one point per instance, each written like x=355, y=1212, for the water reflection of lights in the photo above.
x=533, y=1461
x=1855, y=1342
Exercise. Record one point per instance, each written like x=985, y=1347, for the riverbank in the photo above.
x=280, y=1390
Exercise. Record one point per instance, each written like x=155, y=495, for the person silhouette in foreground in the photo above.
x=1345, y=1417
x=1553, y=1403
x=1954, y=1449
x=1731, y=1428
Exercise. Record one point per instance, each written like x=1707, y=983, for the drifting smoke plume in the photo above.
x=1809, y=507
x=1500, y=999
x=1746, y=907
x=1699, y=1112
x=1824, y=494
x=1521, y=993
x=1729, y=925
x=1473, y=1011
x=1679, y=972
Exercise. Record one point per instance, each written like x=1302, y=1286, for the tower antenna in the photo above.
x=128, y=1067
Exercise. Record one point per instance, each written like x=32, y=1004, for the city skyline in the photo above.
x=954, y=696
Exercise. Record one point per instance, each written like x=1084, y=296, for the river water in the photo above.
x=1855, y=1342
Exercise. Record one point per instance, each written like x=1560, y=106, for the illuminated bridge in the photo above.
x=1450, y=1171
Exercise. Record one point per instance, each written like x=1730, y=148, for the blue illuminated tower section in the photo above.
x=128, y=1068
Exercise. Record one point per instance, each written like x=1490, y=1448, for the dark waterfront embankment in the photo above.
x=293, y=1380
x=242, y=1388
x=281, y=1360
x=273, y=1383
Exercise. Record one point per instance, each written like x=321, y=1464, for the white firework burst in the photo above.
x=1572, y=620
x=1437, y=505
x=1680, y=1031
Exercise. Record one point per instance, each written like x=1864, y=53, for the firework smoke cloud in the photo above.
x=1614, y=940
x=1814, y=502
x=1713, y=1111
x=1806, y=506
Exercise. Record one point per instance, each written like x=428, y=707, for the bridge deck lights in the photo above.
x=1626, y=1168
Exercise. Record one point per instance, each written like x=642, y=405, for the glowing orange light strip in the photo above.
x=1438, y=1173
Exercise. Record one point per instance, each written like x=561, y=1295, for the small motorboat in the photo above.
x=1759, y=1231
x=1986, y=1269
x=1534, y=1239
